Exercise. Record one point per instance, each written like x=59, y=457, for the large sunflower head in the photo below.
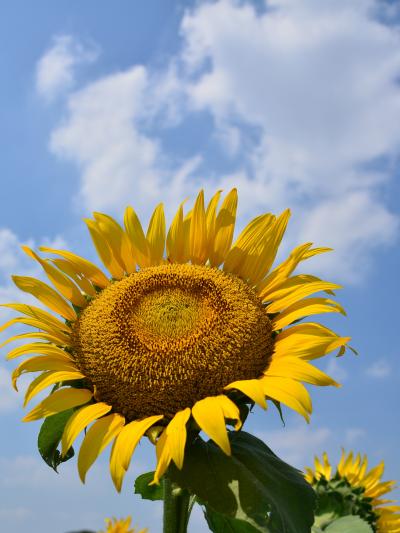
x=182, y=331
x=356, y=490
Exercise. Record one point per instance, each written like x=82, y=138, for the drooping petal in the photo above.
x=156, y=235
x=176, y=434
x=104, y=250
x=49, y=378
x=100, y=434
x=288, y=392
x=62, y=283
x=88, y=269
x=306, y=307
x=41, y=363
x=59, y=401
x=251, y=388
x=210, y=414
x=164, y=457
x=47, y=321
x=308, y=341
x=125, y=445
x=44, y=348
x=79, y=420
x=117, y=240
x=46, y=295
x=278, y=304
x=300, y=370
x=41, y=335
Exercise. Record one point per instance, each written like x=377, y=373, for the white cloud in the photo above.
x=335, y=369
x=304, y=98
x=319, y=82
x=379, y=370
x=297, y=445
x=9, y=399
x=55, y=70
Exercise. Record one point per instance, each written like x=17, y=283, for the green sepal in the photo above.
x=252, y=485
x=349, y=524
x=49, y=438
x=148, y=492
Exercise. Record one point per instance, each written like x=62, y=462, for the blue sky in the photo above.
x=296, y=103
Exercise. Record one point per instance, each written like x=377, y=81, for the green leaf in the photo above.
x=219, y=523
x=152, y=492
x=253, y=484
x=349, y=524
x=50, y=437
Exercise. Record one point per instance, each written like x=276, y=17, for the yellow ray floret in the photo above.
x=185, y=327
x=121, y=526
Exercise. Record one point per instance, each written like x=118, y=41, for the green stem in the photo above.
x=176, y=508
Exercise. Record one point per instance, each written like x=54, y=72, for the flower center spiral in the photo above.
x=167, y=336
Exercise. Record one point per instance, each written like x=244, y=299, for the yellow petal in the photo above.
x=306, y=289
x=176, y=434
x=176, y=238
x=164, y=458
x=156, y=235
x=62, y=283
x=251, y=388
x=41, y=316
x=289, y=392
x=97, y=438
x=300, y=370
x=40, y=363
x=125, y=445
x=117, y=240
x=90, y=270
x=79, y=420
x=59, y=401
x=49, y=378
x=38, y=347
x=75, y=274
x=211, y=219
x=198, y=232
x=306, y=307
x=224, y=229
x=55, y=339
x=210, y=414
x=104, y=250
x=46, y=295
x=308, y=341
x=282, y=272
x=261, y=261
x=246, y=248
x=137, y=238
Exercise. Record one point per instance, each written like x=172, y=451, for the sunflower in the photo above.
x=120, y=526
x=171, y=342
x=361, y=487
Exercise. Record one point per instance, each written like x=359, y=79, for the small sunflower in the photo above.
x=172, y=341
x=361, y=488
x=121, y=526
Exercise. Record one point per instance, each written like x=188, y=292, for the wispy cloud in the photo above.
x=379, y=370
x=55, y=70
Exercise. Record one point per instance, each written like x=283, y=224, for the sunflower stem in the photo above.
x=176, y=508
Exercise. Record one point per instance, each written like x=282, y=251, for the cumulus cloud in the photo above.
x=305, y=105
x=55, y=70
